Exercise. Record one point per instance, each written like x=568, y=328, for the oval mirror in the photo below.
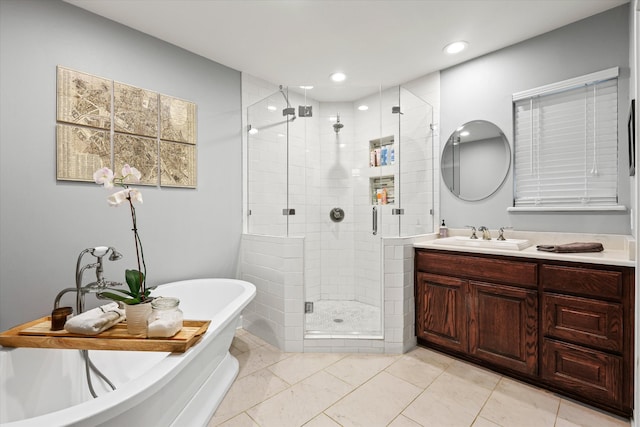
x=475, y=160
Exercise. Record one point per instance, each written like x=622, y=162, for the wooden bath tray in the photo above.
x=37, y=334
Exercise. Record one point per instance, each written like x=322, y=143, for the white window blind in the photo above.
x=566, y=143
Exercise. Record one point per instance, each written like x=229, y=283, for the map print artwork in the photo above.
x=83, y=99
x=135, y=110
x=177, y=120
x=177, y=164
x=139, y=151
x=155, y=133
x=80, y=152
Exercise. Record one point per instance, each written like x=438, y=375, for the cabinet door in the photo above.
x=583, y=321
x=589, y=373
x=440, y=308
x=503, y=326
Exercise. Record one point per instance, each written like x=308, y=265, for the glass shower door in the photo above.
x=267, y=144
x=415, y=174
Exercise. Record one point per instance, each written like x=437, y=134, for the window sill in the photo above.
x=616, y=208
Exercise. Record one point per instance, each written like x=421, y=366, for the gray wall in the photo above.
x=481, y=89
x=44, y=223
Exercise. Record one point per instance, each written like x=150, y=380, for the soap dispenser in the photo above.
x=444, y=231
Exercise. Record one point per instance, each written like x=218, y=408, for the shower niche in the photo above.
x=382, y=152
x=382, y=160
x=382, y=190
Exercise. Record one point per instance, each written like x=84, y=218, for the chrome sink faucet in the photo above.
x=486, y=234
x=501, y=232
x=473, y=231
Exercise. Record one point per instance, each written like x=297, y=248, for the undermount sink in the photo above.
x=509, y=244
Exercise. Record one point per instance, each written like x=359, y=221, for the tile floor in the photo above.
x=419, y=388
x=335, y=317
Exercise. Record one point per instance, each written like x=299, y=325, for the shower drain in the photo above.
x=338, y=320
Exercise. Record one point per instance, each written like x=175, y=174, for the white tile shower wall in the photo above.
x=399, y=311
x=335, y=177
x=399, y=307
x=275, y=266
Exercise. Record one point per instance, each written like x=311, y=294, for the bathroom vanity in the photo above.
x=562, y=324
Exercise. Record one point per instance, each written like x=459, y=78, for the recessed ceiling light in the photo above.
x=271, y=107
x=306, y=87
x=455, y=47
x=363, y=107
x=337, y=77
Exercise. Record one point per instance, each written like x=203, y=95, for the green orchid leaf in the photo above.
x=122, y=291
x=134, y=280
x=114, y=297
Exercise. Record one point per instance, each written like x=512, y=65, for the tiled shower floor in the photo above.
x=343, y=317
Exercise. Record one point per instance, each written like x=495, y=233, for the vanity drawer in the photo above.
x=582, y=281
x=472, y=267
x=583, y=321
x=585, y=372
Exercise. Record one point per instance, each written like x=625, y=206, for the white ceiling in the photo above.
x=375, y=42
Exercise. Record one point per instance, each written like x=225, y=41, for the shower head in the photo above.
x=337, y=125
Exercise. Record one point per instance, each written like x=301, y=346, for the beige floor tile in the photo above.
x=301, y=402
x=402, y=421
x=376, y=403
x=483, y=422
x=469, y=392
x=244, y=342
x=475, y=374
x=431, y=357
x=240, y=420
x=259, y=358
x=358, y=368
x=322, y=421
x=430, y=410
x=371, y=390
x=302, y=365
x=416, y=371
x=516, y=404
x=247, y=392
x=234, y=351
x=572, y=414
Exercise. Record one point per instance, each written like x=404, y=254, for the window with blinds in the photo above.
x=566, y=143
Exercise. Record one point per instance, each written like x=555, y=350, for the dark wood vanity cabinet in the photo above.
x=561, y=325
x=483, y=307
x=587, y=324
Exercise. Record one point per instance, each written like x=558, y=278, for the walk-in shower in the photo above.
x=306, y=191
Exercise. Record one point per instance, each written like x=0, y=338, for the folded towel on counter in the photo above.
x=94, y=321
x=573, y=247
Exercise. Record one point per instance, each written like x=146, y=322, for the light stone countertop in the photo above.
x=618, y=249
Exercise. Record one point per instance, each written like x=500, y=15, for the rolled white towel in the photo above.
x=94, y=321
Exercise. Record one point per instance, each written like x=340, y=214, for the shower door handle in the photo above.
x=374, y=213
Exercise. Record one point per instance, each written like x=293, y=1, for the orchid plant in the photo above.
x=136, y=279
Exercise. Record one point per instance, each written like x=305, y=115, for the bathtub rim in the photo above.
x=138, y=390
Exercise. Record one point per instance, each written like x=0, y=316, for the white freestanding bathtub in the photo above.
x=48, y=387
